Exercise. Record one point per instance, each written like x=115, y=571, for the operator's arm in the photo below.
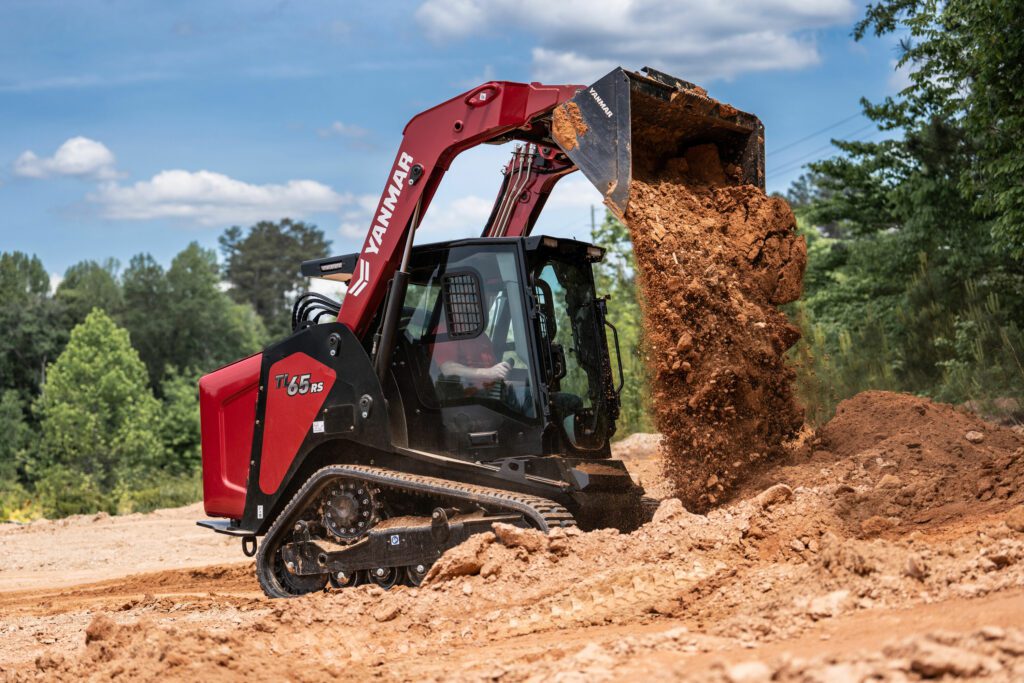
x=490, y=374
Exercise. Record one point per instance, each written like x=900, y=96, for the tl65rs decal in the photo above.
x=298, y=384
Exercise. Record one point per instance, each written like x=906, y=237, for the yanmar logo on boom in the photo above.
x=381, y=223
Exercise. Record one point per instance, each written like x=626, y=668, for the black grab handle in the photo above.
x=618, y=356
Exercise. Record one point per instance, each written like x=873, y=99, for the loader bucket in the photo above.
x=629, y=121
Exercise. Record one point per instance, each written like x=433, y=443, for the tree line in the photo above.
x=98, y=378
x=915, y=279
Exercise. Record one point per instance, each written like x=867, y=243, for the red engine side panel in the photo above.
x=227, y=409
x=298, y=386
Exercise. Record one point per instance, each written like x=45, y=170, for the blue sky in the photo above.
x=134, y=127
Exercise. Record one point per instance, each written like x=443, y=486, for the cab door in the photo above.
x=465, y=354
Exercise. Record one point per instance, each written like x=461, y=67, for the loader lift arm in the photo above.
x=430, y=142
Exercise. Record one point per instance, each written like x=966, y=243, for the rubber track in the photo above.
x=544, y=514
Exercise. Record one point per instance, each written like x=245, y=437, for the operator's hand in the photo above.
x=495, y=372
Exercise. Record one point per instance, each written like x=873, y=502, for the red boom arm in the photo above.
x=430, y=141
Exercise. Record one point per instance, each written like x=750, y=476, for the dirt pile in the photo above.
x=896, y=462
x=731, y=590
x=715, y=259
x=567, y=125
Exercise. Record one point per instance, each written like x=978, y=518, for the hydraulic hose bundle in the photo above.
x=310, y=307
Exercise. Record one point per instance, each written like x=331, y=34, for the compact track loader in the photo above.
x=458, y=384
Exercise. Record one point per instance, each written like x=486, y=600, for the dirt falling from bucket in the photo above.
x=715, y=259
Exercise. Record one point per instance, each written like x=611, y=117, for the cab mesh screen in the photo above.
x=464, y=311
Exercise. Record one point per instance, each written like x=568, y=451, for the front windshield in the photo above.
x=572, y=332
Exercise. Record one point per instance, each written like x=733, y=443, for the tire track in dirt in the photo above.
x=233, y=580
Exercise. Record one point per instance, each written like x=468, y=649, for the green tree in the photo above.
x=22, y=276
x=207, y=329
x=181, y=318
x=179, y=421
x=15, y=501
x=967, y=73
x=922, y=289
x=15, y=436
x=263, y=266
x=147, y=313
x=98, y=421
x=32, y=324
x=88, y=285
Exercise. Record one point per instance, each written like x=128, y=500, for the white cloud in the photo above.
x=574, y=192
x=580, y=40
x=55, y=280
x=462, y=217
x=355, y=220
x=81, y=82
x=78, y=156
x=207, y=198
x=345, y=130
x=488, y=74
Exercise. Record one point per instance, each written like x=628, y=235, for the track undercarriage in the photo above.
x=351, y=524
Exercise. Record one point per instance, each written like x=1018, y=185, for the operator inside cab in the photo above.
x=473, y=360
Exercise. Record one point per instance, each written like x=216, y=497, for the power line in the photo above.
x=815, y=134
x=797, y=163
x=846, y=136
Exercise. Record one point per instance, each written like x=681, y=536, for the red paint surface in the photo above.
x=227, y=409
x=289, y=418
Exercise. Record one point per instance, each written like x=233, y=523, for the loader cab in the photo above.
x=501, y=350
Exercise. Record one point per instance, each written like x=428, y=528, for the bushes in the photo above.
x=161, y=491
x=61, y=491
x=949, y=339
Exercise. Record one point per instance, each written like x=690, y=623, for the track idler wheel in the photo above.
x=415, y=573
x=279, y=581
x=339, y=580
x=386, y=577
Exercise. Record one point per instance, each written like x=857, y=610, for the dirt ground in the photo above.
x=888, y=546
